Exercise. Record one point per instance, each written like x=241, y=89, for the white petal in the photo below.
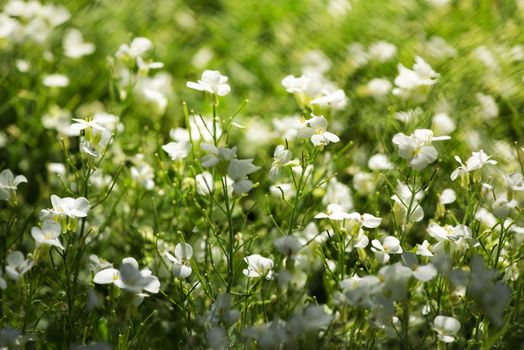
x=106, y=276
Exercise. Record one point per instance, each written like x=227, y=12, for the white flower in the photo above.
x=366, y=220
x=287, y=245
x=365, y=183
x=129, y=277
x=390, y=245
x=424, y=249
x=75, y=46
x=281, y=157
x=488, y=108
x=446, y=232
x=423, y=273
x=475, y=162
x=258, y=266
x=502, y=206
x=177, y=150
x=334, y=212
x=216, y=154
x=144, y=175
x=422, y=75
x=9, y=183
x=447, y=196
x=382, y=51
x=67, y=206
x=137, y=48
x=460, y=236
x=237, y=171
x=379, y=162
x=181, y=266
x=83, y=124
x=417, y=147
x=315, y=61
x=443, y=124
x=515, y=181
x=48, y=234
x=17, y=265
x=446, y=328
x=315, y=128
x=335, y=100
x=213, y=82
x=55, y=80
x=204, y=183
x=409, y=116
x=378, y=88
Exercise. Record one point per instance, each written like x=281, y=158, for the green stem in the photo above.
x=230, y=255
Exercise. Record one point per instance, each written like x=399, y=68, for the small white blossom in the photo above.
x=181, y=266
x=379, y=162
x=390, y=245
x=129, y=277
x=424, y=249
x=446, y=328
x=475, y=162
x=366, y=220
x=417, y=147
x=48, y=234
x=258, y=266
x=281, y=158
x=67, y=206
x=316, y=129
x=334, y=212
x=17, y=265
x=447, y=196
x=410, y=80
x=213, y=82
x=55, y=80
x=9, y=183
x=75, y=46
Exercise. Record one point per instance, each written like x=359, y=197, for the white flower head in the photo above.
x=204, y=183
x=75, y=46
x=334, y=212
x=409, y=81
x=446, y=328
x=213, y=82
x=9, y=183
x=424, y=249
x=316, y=129
x=417, y=147
x=390, y=245
x=181, y=266
x=67, y=206
x=288, y=245
x=137, y=48
x=55, y=80
x=365, y=220
x=129, y=278
x=382, y=51
x=17, y=265
x=281, y=158
x=258, y=266
x=335, y=100
x=48, y=234
x=379, y=161
x=447, y=196
x=177, y=150
x=237, y=171
x=475, y=162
